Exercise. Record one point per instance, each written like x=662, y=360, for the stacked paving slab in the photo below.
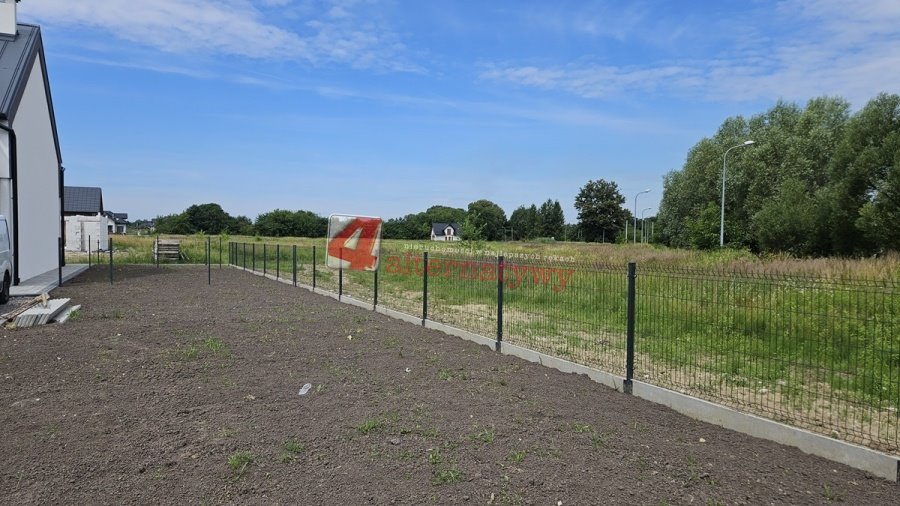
x=40, y=315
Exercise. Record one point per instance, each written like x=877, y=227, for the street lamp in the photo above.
x=642, y=222
x=635, y=214
x=722, y=221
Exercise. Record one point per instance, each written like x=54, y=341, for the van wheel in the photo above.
x=4, y=292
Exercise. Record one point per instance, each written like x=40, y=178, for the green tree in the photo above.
x=444, y=214
x=281, y=223
x=277, y=223
x=863, y=179
x=524, y=222
x=173, y=224
x=600, y=213
x=207, y=218
x=310, y=224
x=792, y=143
x=551, y=219
x=703, y=230
x=241, y=225
x=784, y=223
x=412, y=226
x=485, y=220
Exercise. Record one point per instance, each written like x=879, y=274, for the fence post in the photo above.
x=157, y=251
x=110, y=262
x=244, y=255
x=424, y=287
x=340, y=273
x=277, y=261
x=265, y=258
x=375, y=299
x=499, y=303
x=90, y=260
x=253, y=253
x=629, y=343
x=314, y=267
x=98, y=251
x=208, y=260
x=294, y=263
x=220, y=252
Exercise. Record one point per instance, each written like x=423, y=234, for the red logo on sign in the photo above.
x=354, y=242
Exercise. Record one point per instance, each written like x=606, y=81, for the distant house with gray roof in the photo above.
x=118, y=222
x=445, y=232
x=31, y=172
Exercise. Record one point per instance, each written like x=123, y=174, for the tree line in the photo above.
x=482, y=220
x=600, y=218
x=817, y=180
x=212, y=219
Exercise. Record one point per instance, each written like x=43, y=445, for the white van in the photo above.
x=5, y=260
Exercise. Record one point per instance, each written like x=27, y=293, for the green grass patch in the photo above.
x=484, y=435
x=217, y=346
x=240, y=461
x=446, y=476
x=371, y=425
x=517, y=457
x=290, y=450
x=187, y=352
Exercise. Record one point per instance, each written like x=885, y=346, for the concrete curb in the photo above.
x=874, y=462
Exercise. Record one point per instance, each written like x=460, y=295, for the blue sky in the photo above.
x=386, y=107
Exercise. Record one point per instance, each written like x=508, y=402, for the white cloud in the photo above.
x=235, y=28
x=595, y=81
x=850, y=48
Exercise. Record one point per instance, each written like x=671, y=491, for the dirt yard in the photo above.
x=166, y=390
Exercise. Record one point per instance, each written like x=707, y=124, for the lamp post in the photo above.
x=722, y=221
x=635, y=214
x=642, y=223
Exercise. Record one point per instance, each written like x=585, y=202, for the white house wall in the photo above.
x=38, y=179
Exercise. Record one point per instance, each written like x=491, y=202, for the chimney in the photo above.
x=8, y=18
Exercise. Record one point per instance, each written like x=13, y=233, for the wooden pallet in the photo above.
x=167, y=250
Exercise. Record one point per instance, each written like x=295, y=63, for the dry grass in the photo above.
x=137, y=249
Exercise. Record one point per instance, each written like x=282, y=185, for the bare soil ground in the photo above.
x=166, y=390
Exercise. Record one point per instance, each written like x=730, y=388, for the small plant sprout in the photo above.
x=371, y=425
x=449, y=475
x=239, y=461
x=485, y=436
x=582, y=428
x=518, y=456
x=216, y=346
x=291, y=450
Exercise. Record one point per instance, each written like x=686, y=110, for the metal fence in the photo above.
x=819, y=354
